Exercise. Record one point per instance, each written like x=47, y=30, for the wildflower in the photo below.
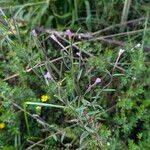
x=2, y=125
x=121, y=51
x=98, y=80
x=54, y=37
x=69, y=34
x=79, y=36
x=59, y=83
x=134, y=78
x=138, y=45
x=78, y=53
x=33, y=33
x=44, y=98
x=47, y=76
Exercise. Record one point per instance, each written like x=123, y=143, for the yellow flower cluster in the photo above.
x=2, y=125
x=44, y=98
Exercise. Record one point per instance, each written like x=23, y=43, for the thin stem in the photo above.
x=26, y=119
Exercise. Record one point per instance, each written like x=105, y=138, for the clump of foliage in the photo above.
x=58, y=92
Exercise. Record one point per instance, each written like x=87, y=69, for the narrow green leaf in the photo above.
x=109, y=90
x=83, y=136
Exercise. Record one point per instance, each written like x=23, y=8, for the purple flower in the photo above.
x=33, y=33
x=47, y=76
x=69, y=34
x=98, y=80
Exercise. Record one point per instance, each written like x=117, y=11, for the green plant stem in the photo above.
x=36, y=104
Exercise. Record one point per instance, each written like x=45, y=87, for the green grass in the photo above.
x=96, y=81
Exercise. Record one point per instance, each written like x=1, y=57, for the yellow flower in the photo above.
x=2, y=125
x=44, y=98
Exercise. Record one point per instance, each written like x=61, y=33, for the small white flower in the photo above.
x=54, y=37
x=121, y=51
x=79, y=36
x=138, y=45
x=69, y=34
x=134, y=78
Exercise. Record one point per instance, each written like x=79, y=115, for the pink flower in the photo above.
x=69, y=34
x=78, y=53
x=98, y=80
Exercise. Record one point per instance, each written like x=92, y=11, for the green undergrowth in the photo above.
x=64, y=93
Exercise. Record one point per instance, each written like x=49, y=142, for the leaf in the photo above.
x=8, y=148
x=85, y=102
x=62, y=137
x=117, y=74
x=93, y=112
x=89, y=130
x=79, y=75
x=83, y=136
x=109, y=90
x=55, y=137
x=80, y=109
x=88, y=18
x=62, y=16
